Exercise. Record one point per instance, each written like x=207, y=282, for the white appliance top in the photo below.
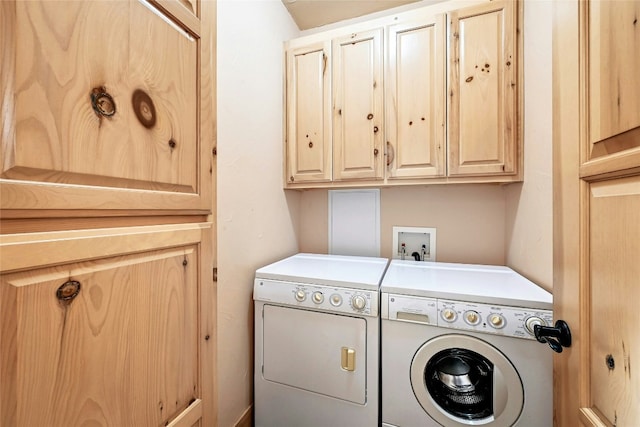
x=331, y=270
x=464, y=282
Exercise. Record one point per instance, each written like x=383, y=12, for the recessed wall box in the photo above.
x=410, y=240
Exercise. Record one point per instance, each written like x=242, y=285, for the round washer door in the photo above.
x=460, y=380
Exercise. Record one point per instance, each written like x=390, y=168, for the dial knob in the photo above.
x=472, y=317
x=336, y=300
x=449, y=315
x=496, y=321
x=531, y=322
x=358, y=302
x=317, y=297
x=300, y=295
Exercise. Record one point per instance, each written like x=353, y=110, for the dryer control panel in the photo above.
x=324, y=298
x=486, y=318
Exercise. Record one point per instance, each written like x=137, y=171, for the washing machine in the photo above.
x=317, y=341
x=458, y=347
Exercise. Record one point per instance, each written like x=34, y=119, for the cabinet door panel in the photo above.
x=68, y=54
x=358, y=109
x=482, y=109
x=415, y=105
x=308, y=114
x=614, y=77
x=123, y=352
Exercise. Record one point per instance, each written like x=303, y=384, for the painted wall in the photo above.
x=257, y=220
x=469, y=220
x=529, y=217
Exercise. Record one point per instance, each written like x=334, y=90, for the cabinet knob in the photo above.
x=310, y=144
x=369, y=116
x=375, y=151
x=102, y=103
x=390, y=153
x=68, y=291
x=375, y=129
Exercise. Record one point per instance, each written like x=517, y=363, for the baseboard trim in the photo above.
x=246, y=419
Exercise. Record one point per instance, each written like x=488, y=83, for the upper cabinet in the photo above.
x=358, y=106
x=483, y=90
x=107, y=105
x=426, y=96
x=308, y=145
x=415, y=113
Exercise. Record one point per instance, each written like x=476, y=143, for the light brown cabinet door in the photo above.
x=415, y=102
x=597, y=211
x=358, y=151
x=107, y=106
x=114, y=338
x=483, y=127
x=308, y=141
x=614, y=80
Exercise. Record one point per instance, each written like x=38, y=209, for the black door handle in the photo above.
x=557, y=337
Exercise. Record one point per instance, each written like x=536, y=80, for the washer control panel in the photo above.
x=486, y=318
x=325, y=298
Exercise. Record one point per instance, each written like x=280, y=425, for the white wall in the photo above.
x=257, y=221
x=529, y=218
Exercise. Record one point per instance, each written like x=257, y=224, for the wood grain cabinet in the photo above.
x=103, y=327
x=107, y=173
x=614, y=82
x=415, y=102
x=106, y=105
x=483, y=133
x=308, y=147
x=358, y=113
x=427, y=96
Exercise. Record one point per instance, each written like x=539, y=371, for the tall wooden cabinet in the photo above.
x=107, y=298
x=597, y=213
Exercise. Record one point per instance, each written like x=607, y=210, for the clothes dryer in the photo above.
x=458, y=347
x=317, y=341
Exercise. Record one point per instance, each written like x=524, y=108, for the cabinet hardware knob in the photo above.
x=102, y=103
x=375, y=129
x=369, y=116
x=390, y=153
x=375, y=151
x=291, y=178
x=310, y=144
x=68, y=291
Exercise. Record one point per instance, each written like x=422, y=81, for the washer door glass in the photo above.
x=460, y=380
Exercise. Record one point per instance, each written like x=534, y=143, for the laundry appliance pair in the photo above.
x=358, y=341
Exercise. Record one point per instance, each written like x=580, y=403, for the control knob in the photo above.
x=496, y=321
x=336, y=300
x=530, y=323
x=358, y=302
x=472, y=317
x=300, y=295
x=317, y=297
x=448, y=315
